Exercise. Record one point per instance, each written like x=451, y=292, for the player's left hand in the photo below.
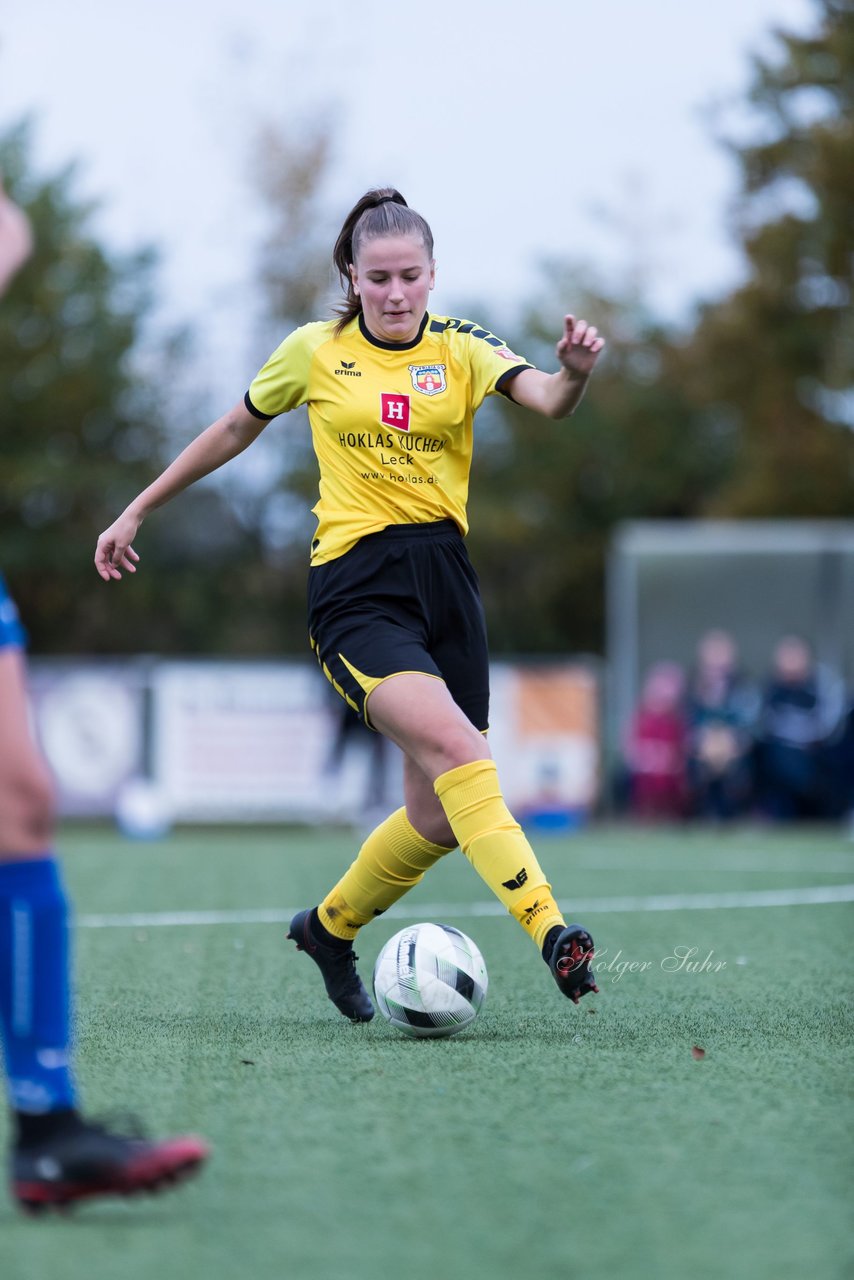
x=579, y=347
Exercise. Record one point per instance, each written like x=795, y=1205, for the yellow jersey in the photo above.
x=391, y=423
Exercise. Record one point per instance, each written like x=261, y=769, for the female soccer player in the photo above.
x=395, y=617
x=57, y=1156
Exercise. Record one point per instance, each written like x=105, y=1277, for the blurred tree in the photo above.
x=295, y=255
x=749, y=413
x=231, y=555
x=77, y=426
x=547, y=495
x=294, y=275
x=776, y=358
x=89, y=415
x=84, y=425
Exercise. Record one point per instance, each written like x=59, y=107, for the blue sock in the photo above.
x=34, y=985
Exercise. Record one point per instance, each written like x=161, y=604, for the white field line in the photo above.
x=805, y=897
x=830, y=863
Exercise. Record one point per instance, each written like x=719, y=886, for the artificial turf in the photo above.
x=683, y=1123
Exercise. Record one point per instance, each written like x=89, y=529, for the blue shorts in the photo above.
x=12, y=633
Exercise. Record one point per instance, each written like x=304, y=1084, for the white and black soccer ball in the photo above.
x=430, y=980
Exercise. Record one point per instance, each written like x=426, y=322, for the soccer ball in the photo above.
x=143, y=811
x=430, y=980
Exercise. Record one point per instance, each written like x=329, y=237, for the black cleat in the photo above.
x=83, y=1160
x=569, y=962
x=338, y=966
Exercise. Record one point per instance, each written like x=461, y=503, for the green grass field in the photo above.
x=548, y=1140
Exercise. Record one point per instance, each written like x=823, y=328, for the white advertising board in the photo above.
x=267, y=741
x=254, y=741
x=246, y=741
x=89, y=721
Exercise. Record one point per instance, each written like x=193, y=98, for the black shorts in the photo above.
x=404, y=599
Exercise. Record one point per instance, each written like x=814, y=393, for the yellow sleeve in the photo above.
x=282, y=384
x=493, y=365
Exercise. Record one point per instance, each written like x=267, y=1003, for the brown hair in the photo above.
x=381, y=212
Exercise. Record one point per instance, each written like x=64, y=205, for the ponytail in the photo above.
x=381, y=212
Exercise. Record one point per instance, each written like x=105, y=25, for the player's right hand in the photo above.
x=114, y=551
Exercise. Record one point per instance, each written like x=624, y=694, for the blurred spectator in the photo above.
x=654, y=750
x=802, y=734
x=722, y=706
x=840, y=763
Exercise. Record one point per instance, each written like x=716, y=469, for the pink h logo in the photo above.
x=394, y=411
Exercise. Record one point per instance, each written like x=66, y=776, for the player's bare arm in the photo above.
x=218, y=444
x=557, y=395
x=16, y=238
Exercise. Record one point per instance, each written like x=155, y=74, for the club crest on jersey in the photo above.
x=394, y=411
x=429, y=379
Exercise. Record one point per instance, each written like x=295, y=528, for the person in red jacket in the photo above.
x=655, y=746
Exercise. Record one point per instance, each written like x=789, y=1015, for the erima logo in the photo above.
x=521, y=877
x=348, y=370
x=536, y=909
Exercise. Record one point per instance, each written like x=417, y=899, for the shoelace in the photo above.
x=348, y=959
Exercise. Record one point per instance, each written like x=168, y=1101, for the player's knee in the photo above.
x=438, y=747
x=462, y=745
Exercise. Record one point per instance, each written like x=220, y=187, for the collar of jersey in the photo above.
x=392, y=346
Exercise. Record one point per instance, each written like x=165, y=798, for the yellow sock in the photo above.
x=391, y=862
x=496, y=846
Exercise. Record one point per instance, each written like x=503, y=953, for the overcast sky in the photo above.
x=511, y=126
